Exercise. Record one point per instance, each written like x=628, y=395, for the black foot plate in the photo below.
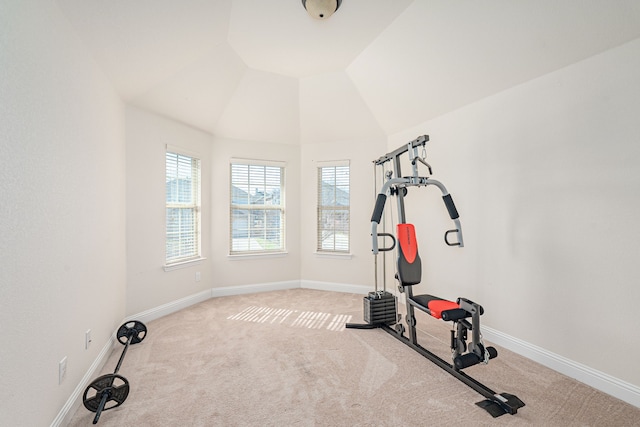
x=506, y=404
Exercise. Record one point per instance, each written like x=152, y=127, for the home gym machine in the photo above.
x=380, y=307
x=110, y=390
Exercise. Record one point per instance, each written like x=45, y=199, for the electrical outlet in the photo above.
x=87, y=339
x=62, y=370
x=197, y=276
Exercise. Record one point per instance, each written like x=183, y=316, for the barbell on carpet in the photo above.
x=111, y=390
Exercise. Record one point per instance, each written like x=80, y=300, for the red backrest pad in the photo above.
x=408, y=243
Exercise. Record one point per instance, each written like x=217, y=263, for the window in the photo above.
x=333, y=207
x=182, y=187
x=257, y=207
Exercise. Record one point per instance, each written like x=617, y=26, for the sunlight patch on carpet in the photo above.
x=293, y=318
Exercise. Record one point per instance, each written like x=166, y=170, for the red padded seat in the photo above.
x=435, y=305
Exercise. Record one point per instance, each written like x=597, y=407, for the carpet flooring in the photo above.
x=284, y=358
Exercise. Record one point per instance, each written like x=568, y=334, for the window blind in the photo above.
x=333, y=208
x=182, y=186
x=257, y=207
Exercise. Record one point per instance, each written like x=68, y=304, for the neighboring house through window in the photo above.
x=182, y=187
x=257, y=208
x=333, y=207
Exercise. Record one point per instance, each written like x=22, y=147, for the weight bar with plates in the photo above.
x=111, y=390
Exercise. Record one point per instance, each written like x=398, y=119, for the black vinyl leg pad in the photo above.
x=497, y=409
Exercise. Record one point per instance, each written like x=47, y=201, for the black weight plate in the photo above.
x=117, y=389
x=135, y=328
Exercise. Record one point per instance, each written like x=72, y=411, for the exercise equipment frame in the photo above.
x=377, y=304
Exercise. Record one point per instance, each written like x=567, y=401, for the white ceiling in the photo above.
x=266, y=71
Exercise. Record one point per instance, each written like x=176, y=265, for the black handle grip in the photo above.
x=377, y=211
x=446, y=240
x=392, y=238
x=451, y=207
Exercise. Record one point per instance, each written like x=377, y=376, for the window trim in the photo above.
x=182, y=262
x=331, y=253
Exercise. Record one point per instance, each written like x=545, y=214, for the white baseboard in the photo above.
x=335, y=287
x=291, y=284
x=171, y=307
x=227, y=291
x=75, y=400
x=599, y=380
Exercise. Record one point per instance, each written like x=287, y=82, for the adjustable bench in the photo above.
x=409, y=273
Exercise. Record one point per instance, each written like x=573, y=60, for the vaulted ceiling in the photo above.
x=264, y=70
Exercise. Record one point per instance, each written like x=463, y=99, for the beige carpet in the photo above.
x=284, y=359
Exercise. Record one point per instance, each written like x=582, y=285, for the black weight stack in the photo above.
x=380, y=307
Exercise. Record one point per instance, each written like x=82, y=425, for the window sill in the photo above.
x=238, y=257
x=335, y=255
x=183, y=264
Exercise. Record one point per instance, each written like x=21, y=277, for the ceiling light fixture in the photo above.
x=321, y=9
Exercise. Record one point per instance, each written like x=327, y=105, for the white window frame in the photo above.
x=241, y=245
x=194, y=249
x=338, y=206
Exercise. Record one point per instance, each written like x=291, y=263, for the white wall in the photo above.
x=62, y=182
x=323, y=120
x=251, y=270
x=264, y=107
x=545, y=177
x=347, y=131
x=358, y=269
x=148, y=284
